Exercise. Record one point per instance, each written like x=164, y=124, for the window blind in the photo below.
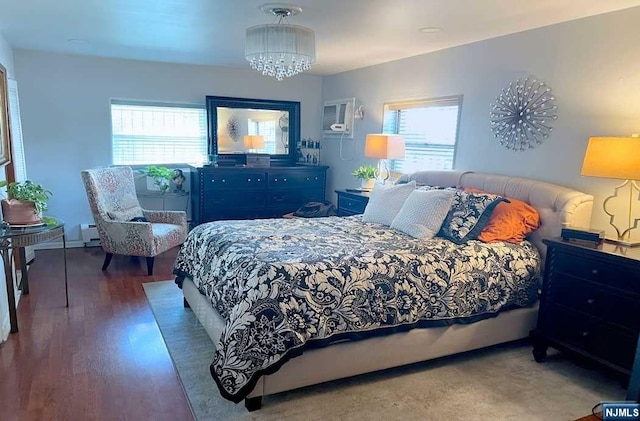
x=149, y=133
x=267, y=129
x=430, y=131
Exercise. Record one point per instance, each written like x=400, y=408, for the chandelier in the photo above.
x=280, y=50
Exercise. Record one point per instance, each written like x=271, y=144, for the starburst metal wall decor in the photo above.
x=522, y=114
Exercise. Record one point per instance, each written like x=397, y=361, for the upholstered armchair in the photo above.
x=113, y=201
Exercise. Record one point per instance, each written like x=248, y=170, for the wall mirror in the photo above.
x=234, y=122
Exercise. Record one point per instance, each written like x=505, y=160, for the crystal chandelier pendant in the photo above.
x=280, y=50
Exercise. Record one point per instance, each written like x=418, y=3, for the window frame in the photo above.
x=173, y=165
x=436, y=101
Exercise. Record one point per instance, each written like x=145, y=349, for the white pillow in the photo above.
x=385, y=202
x=423, y=213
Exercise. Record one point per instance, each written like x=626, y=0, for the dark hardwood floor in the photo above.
x=103, y=358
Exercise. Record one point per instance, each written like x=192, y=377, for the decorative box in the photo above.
x=260, y=160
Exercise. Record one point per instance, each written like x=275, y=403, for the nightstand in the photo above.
x=590, y=303
x=351, y=202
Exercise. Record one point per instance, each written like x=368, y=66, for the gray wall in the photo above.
x=592, y=65
x=6, y=57
x=66, y=116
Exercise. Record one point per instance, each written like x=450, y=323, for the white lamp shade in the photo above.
x=254, y=142
x=612, y=157
x=280, y=50
x=384, y=146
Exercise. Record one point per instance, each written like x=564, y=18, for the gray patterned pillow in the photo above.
x=468, y=215
x=385, y=202
x=423, y=213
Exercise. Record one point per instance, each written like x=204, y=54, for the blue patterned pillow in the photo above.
x=468, y=215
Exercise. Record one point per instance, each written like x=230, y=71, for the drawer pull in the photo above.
x=284, y=179
x=594, y=271
x=308, y=179
x=316, y=178
x=224, y=181
x=275, y=180
x=258, y=179
x=591, y=301
x=278, y=198
x=585, y=334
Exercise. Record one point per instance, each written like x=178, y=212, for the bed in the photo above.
x=286, y=280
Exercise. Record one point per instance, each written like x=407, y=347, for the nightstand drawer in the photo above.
x=615, y=276
x=593, y=336
x=588, y=298
x=351, y=204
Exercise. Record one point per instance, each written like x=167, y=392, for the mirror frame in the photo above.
x=213, y=102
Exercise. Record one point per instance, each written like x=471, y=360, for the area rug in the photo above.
x=498, y=383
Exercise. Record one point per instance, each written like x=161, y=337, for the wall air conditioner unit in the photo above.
x=89, y=234
x=337, y=117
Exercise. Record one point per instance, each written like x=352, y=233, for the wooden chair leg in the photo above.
x=149, y=266
x=107, y=260
x=253, y=404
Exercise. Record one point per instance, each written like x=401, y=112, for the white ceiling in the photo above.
x=349, y=33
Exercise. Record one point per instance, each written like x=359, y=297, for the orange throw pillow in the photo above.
x=510, y=222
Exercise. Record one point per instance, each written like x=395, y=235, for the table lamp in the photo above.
x=616, y=157
x=383, y=147
x=253, y=142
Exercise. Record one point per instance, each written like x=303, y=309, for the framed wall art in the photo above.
x=5, y=133
x=523, y=114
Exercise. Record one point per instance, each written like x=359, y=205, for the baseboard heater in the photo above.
x=89, y=234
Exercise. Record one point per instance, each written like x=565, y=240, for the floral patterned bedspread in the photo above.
x=283, y=285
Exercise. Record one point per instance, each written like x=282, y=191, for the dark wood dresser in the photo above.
x=247, y=193
x=351, y=202
x=590, y=303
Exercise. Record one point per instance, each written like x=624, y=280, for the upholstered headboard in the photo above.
x=558, y=206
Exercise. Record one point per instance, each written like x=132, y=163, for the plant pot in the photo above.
x=367, y=184
x=152, y=185
x=17, y=212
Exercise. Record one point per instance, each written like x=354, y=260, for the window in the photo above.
x=430, y=130
x=144, y=134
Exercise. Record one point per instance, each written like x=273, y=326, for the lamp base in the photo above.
x=624, y=242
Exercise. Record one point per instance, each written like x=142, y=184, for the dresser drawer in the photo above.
x=296, y=179
x=236, y=200
x=615, y=276
x=232, y=213
x=296, y=197
x=241, y=181
x=352, y=204
x=589, y=334
x=591, y=299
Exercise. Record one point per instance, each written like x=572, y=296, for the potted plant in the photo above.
x=367, y=175
x=25, y=202
x=160, y=177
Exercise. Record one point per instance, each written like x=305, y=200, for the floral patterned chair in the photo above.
x=112, y=198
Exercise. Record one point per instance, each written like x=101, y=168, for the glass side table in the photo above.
x=17, y=238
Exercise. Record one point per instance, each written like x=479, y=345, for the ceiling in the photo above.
x=350, y=34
